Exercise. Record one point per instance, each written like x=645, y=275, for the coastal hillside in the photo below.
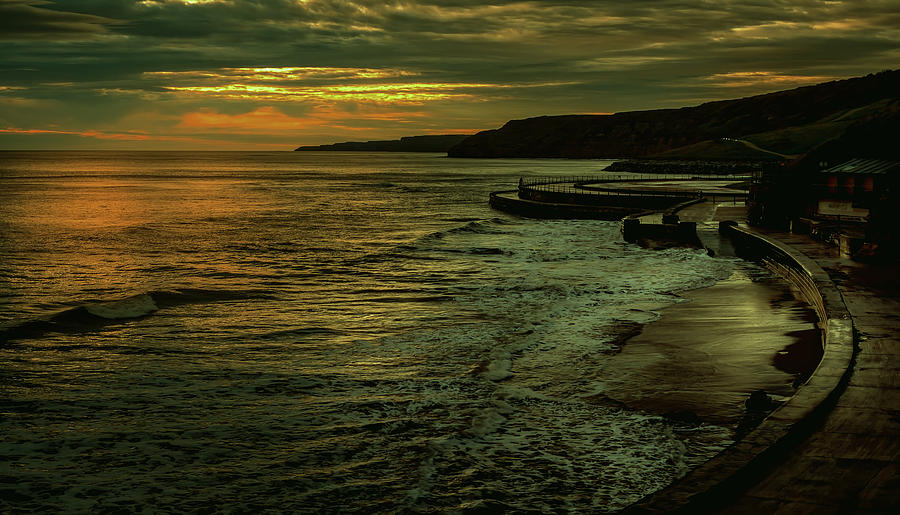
x=431, y=143
x=874, y=137
x=777, y=125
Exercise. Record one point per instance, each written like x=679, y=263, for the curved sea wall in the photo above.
x=569, y=198
x=593, y=197
x=721, y=479
x=510, y=202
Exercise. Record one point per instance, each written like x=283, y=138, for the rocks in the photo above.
x=684, y=417
x=759, y=400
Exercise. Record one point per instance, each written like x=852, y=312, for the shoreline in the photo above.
x=767, y=436
x=721, y=480
x=697, y=360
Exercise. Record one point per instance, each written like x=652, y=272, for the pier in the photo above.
x=613, y=197
x=832, y=447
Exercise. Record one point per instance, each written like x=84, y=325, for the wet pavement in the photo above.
x=834, y=448
x=851, y=464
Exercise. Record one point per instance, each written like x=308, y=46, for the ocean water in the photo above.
x=321, y=333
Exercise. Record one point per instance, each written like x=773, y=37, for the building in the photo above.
x=851, y=190
x=855, y=204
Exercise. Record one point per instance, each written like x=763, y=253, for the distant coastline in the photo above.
x=825, y=120
x=770, y=127
x=430, y=143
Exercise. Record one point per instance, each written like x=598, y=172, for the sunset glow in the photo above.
x=170, y=73
x=763, y=78
x=409, y=93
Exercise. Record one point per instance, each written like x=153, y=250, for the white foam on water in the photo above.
x=552, y=455
x=489, y=420
x=132, y=307
x=458, y=363
x=498, y=369
x=503, y=393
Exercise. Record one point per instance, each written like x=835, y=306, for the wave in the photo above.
x=304, y=332
x=131, y=307
x=94, y=315
x=478, y=226
x=422, y=248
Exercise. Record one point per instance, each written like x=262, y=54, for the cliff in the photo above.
x=434, y=143
x=789, y=122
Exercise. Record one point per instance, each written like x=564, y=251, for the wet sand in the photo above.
x=705, y=356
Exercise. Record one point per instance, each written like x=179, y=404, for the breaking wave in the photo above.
x=94, y=315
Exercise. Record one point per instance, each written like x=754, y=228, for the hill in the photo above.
x=433, y=143
x=772, y=126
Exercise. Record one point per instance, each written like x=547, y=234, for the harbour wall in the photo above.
x=510, y=202
x=712, y=485
x=672, y=230
x=587, y=197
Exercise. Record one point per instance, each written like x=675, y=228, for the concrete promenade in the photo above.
x=835, y=447
x=851, y=462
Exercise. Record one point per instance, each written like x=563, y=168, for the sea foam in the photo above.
x=131, y=307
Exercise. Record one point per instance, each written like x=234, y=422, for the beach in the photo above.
x=707, y=354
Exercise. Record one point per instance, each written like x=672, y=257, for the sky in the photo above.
x=275, y=74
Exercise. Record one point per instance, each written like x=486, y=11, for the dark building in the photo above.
x=854, y=204
x=851, y=190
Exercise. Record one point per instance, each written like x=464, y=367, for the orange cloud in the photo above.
x=268, y=119
x=763, y=78
x=452, y=131
x=406, y=93
x=86, y=134
x=118, y=136
x=323, y=84
x=291, y=73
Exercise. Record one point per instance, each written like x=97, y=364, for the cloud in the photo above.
x=270, y=120
x=458, y=63
x=764, y=78
x=24, y=19
x=121, y=136
x=267, y=119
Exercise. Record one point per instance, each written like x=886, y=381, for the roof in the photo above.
x=865, y=166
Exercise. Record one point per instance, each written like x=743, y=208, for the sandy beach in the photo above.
x=704, y=356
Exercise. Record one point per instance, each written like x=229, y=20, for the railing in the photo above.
x=570, y=189
x=577, y=186
x=625, y=177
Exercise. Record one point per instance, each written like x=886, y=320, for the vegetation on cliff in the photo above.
x=784, y=124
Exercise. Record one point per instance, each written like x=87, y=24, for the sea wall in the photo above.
x=588, y=197
x=508, y=201
x=672, y=230
x=634, y=231
x=712, y=485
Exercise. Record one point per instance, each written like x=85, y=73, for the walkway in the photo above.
x=851, y=464
x=754, y=146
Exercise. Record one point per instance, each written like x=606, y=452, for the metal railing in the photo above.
x=576, y=189
x=626, y=177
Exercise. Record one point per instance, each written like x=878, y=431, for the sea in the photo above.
x=322, y=332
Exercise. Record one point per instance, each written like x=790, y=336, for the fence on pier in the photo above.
x=581, y=189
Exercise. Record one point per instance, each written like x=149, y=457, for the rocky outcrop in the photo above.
x=431, y=143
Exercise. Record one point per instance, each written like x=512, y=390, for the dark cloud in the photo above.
x=532, y=57
x=23, y=19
